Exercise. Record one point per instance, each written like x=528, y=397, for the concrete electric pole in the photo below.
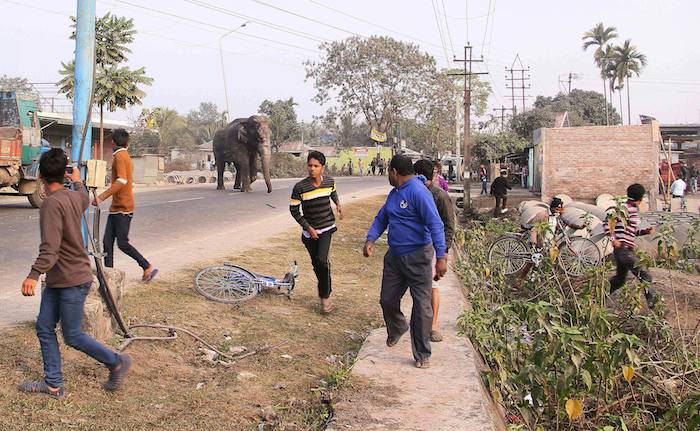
x=467, y=74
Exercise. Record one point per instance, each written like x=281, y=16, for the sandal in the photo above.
x=40, y=388
x=423, y=364
x=435, y=336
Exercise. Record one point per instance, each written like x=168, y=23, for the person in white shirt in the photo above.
x=678, y=189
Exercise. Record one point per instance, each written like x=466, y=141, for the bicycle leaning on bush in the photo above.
x=514, y=251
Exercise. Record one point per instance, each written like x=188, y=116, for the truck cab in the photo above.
x=20, y=148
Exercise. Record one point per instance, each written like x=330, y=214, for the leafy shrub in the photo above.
x=562, y=355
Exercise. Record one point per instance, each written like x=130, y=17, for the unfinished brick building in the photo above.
x=584, y=162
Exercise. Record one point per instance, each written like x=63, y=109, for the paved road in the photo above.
x=168, y=225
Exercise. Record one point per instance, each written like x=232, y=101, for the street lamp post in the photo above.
x=223, y=70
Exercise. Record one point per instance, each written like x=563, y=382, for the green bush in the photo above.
x=561, y=355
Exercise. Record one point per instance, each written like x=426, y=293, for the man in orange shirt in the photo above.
x=121, y=212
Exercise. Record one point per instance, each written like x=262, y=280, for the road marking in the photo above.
x=185, y=200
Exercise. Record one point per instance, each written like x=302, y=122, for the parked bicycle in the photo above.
x=514, y=251
x=233, y=284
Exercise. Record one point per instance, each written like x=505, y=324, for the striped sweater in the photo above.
x=311, y=206
x=627, y=232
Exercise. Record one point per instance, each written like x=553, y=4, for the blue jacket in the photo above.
x=412, y=218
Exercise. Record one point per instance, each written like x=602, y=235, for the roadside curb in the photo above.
x=447, y=396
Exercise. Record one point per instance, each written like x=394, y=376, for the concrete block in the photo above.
x=97, y=321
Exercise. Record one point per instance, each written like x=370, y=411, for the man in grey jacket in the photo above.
x=443, y=202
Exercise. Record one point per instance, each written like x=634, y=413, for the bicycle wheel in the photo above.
x=226, y=283
x=510, y=253
x=578, y=256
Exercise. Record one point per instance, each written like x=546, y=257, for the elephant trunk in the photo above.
x=266, y=167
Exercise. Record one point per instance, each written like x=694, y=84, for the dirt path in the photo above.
x=447, y=396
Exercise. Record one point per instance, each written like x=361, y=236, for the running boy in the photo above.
x=313, y=195
x=623, y=237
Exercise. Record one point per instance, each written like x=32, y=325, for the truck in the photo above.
x=21, y=146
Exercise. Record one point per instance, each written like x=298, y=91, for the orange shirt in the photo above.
x=122, y=172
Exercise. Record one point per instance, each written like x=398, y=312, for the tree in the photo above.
x=21, y=86
x=585, y=108
x=491, y=146
x=204, y=121
x=380, y=77
x=115, y=86
x=283, y=119
x=628, y=61
x=172, y=129
x=598, y=37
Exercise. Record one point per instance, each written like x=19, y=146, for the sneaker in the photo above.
x=117, y=374
x=40, y=388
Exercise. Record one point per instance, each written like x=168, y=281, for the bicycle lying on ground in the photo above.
x=233, y=284
x=514, y=251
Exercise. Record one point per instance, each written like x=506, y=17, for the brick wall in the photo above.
x=584, y=162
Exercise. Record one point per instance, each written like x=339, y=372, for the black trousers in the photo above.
x=500, y=204
x=319, y=251
x=626, y=262
x=412, y=271
x=118, y=228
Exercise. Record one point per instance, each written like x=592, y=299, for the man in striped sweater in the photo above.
x=311, y=208
x=623, y=235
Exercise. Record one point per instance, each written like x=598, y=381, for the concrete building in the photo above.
x=584, y=162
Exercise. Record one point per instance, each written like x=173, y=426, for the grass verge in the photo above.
x=172, y=385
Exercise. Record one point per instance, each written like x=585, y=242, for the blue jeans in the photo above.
x=66, y=304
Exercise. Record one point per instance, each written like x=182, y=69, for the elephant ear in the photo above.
x=242, y=133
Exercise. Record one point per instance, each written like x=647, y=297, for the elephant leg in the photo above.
x=253, y=158
x=245, y=177
x=237, y=180
x=220, y=166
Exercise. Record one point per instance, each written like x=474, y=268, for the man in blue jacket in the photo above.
x=415, y=230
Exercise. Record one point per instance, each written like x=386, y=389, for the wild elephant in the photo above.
x=242, y=142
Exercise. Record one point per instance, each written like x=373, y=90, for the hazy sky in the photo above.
x=264, y=60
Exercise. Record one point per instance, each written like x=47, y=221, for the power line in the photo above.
x=408, y=36
x=307, y=18
x=447, y=28
x=214, y=26
x=256, y=20
x=442, y=38
x=486, y=28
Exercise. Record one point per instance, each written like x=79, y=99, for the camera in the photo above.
x=69, y=170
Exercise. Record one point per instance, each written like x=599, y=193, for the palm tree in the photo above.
x=115, y=87
x=599, y=36
x=628, y=61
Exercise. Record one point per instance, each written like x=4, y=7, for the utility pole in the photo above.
x=503, y=110
x=467, y=74
x=570, y=77
x=517, y=83
x=81, y=139
x=223, y=70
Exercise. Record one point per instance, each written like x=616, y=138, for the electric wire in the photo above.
x=256, y=20
x=315, y=21
x=408, y=36
x=442, y=38
x=447, y=28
